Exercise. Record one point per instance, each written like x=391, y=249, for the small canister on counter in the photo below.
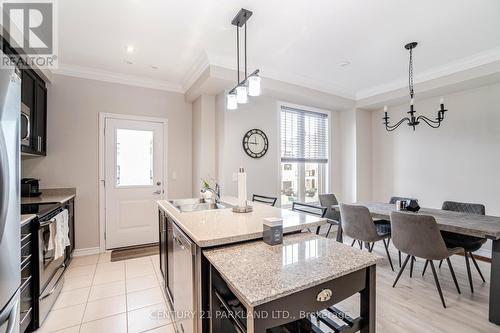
x=273, y=230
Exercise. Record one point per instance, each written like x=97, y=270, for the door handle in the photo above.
x=157, y=192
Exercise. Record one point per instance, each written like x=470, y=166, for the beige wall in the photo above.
x=459, y=161
x=204, y=138
x=72, y=158
x=262, y=174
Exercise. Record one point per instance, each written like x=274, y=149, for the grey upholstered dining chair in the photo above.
x=419, y=236
x=385, y=225
x=264, y=199
x=357, y=223
x=469, y=243
x=333, y=215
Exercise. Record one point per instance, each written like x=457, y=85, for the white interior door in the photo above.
x=133, y=181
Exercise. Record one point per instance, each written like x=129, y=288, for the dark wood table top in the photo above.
x=483, y=226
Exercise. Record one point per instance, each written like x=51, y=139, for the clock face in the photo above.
x=255, y=143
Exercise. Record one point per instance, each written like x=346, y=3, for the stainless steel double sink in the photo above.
x=196, y=205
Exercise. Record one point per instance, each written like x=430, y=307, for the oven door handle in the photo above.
x=46, y=223
x=55, y=285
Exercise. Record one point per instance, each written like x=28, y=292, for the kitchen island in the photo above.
x=185, y=235
x=292, y=287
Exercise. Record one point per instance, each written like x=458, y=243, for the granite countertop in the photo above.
x=25, y=218
x=223, y=226
x=60, y=195
x=258, y=273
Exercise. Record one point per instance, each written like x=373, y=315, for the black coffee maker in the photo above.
x=30, y=187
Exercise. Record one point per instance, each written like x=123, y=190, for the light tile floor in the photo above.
x=110, y=297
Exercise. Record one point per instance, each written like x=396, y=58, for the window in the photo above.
x=304, y=155
x=134, y=157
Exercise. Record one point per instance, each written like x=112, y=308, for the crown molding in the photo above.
x=296, y=79
x=194, y=72
x=115, y=77
x=479, y=59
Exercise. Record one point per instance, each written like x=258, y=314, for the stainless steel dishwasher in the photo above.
x=184, y=295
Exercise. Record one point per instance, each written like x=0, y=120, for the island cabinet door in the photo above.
x=169, y=275
x=163, y=244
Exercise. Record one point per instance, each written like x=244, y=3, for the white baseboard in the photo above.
x=86, y=252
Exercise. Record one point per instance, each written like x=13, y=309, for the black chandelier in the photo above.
x=412, y=120
x=250, y=85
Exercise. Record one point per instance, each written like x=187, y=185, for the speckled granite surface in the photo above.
x=223, y=226
x=60, y=195
x=259, y=273
x=25, y=218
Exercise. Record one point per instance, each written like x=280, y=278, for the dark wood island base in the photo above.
x=298, y=312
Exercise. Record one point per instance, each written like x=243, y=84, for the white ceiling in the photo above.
x=297, y=41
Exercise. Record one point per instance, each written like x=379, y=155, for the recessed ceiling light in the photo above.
x=344, y=63
x=128, y=62
x=130, y=49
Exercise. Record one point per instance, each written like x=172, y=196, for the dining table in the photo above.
x=483, y=226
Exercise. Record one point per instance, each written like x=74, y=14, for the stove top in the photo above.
x=39, y=209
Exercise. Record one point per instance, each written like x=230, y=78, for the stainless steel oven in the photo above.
x=25, y=125
x=50, y=269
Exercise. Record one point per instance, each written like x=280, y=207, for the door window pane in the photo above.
x=289, y=183
x=134, y=157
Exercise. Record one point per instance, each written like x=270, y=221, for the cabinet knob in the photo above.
x=324, y=295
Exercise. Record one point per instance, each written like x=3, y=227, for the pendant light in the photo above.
x=232, y=101
x=412, y=120
x=254, y=88
x=251, y=84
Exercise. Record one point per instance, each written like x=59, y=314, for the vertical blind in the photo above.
x=304, y=136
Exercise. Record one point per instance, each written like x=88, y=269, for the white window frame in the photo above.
x=327, y=172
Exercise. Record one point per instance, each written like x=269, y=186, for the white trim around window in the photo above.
x=327, y=172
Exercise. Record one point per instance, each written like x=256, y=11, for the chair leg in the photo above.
x=370, y=246
x=440, y=263
x=425, y=267
x=448, y=261
x=386, y=246
x=477, y=266
x=411, y=267
x=468, y=272
x=360, y=243
x=438, y=286
x=399, y=252
x=317, y=230
x=401, y=270
x=353, y=241
x=328, y=232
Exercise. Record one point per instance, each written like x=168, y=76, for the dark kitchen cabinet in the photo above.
x=166, y=252
x=163, y=244
x=40, y=118
x=34, y=96
x=70, y=206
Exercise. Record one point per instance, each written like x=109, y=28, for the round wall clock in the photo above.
x=255, y=143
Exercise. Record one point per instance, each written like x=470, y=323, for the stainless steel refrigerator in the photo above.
x=10, y=252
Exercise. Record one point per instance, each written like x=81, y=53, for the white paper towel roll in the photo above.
x=242, y=188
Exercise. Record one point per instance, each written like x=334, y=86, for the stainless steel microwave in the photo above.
x=25, y=125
